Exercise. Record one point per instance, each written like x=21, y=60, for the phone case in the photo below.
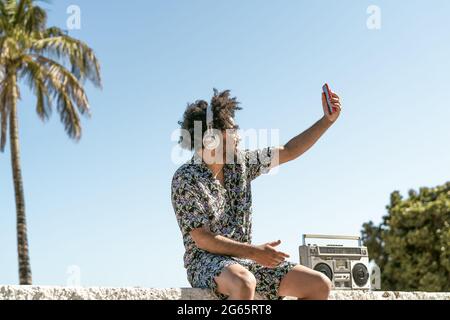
x=327, y=92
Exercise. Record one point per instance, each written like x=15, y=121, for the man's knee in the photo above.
x=236, y=281
x=323, y=285
x=305, y=283
x=244, y=281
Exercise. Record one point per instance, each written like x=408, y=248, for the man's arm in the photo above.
x=265, y=254
x=304, y=141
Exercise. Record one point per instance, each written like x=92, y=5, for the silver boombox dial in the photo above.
x=346, y=267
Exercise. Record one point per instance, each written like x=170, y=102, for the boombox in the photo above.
x=347, y=267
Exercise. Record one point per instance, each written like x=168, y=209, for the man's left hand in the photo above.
x=335, y=105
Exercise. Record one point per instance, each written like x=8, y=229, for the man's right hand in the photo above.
x=267, y=256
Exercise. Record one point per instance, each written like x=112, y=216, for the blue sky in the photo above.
x=104, y=204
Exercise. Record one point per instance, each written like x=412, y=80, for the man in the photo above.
x=211, y=197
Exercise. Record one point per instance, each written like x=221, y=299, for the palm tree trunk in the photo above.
x=22, y=239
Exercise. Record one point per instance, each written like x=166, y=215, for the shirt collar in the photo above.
x=197, y=159
x=202, y=167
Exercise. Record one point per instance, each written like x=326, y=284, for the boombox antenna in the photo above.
x=323, y=236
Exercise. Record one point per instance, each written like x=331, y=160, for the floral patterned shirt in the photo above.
x=200, y=200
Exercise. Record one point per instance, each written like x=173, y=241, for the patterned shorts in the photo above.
x=207, y=266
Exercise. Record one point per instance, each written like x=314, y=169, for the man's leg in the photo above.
x=236, y=282
x=305, y=284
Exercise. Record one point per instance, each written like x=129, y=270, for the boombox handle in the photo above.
x=320, y=236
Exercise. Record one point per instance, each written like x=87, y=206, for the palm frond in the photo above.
x=51, y=80
x=84, y=63
x=9, y=10
x=35, y=76
x=4, y=18
x=69, y=116
x=53, y=32
x=63, y=79
x=21, y=10
x=35, y=19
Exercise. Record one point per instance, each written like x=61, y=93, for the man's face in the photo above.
x=225, y=152
x=230, y=141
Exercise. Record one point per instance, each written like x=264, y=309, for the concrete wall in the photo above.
x=78, y=293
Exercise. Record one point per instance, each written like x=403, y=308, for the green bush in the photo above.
x=412, y=243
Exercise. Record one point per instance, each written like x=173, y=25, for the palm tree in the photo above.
x=55, y=67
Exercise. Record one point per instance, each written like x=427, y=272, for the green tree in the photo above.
x=412, y=243
x=55, y=67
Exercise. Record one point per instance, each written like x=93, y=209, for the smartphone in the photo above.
x=327, y=91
